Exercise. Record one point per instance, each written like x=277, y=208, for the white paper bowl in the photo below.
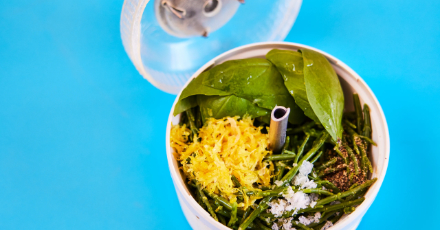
x=198, y=218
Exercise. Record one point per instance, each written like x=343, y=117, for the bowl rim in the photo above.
x=360, y=210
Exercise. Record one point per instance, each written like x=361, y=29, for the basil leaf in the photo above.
x=255, y=80
x=290, y=64
x=188, y=98
x=223, y=106
x=324, y=91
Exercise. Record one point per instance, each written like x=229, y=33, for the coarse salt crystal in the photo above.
x=277, y=207
x=278, y=183
x=289, y=193
x=304, y=220
x=309, y=184
x=310, y=219
x=317, y=217
x=300, y=179
x=313, y=197
x=306, y=168
x=293, y=201
x=327, y=225
x=287, y=224
x=297, y=201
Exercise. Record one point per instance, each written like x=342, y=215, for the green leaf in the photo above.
x=290, y=64
x=223, y=106
x=188, y=98
x=324, y=91
x=255, y=80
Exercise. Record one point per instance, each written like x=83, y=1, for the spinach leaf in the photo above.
x=324, y=91
x=188, y=97
x=255, y=80
x=290, y=64
x=223, y=106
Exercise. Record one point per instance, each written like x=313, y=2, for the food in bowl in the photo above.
x=222, y=143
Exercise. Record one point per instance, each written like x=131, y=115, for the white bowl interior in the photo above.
x=351, y=83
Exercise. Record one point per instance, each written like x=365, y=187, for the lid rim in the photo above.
x=130, y=29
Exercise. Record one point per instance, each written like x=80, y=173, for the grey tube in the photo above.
x=278, y=125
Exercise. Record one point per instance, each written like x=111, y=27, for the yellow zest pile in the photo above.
x=228, y=146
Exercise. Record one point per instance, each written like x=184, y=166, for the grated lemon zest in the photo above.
x=228, y=146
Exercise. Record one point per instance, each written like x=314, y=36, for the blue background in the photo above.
x=82, y=135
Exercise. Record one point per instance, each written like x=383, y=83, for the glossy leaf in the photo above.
x=188, y=98
x=255, y=80
x=223, y=106
x=324, y=91
x=290, y=64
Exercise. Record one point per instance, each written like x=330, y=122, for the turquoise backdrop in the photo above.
x=82, y=134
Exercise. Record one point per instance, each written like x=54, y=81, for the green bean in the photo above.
x=286, y=143
x=348, y=210
x=365, y=161
x=353, y=186
x=358, y=110
x=338, y=151
x=183, y=119
x=261, y=225
x=353, y=158
x=197, y=118
x=233, y=215
x=223, y=202
x=328, y=185
x=322, y=219
x=301, y=128
x=266, y=220
x=301, y=148
x=368, y=140
x=274, y=192
x=192, y=124
x=367, y=122
x=302, y=226
x=319, y=142
x=223, y=213
x=350, y=124
x=264, y=204
x=293, y=141
x=222, y=219
x=314, y=190
x=205, y=201
x=289, y=152
x=330, y=170
x=336, y=217
x=281, y=168
x=246, y=214
x=317, y=157
x=339, y=206
x=315, y=133
x=235, y=181
x=327, y=164
x=280, y=157
x=353, y=191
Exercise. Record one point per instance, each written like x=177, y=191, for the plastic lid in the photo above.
x=165, y=38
